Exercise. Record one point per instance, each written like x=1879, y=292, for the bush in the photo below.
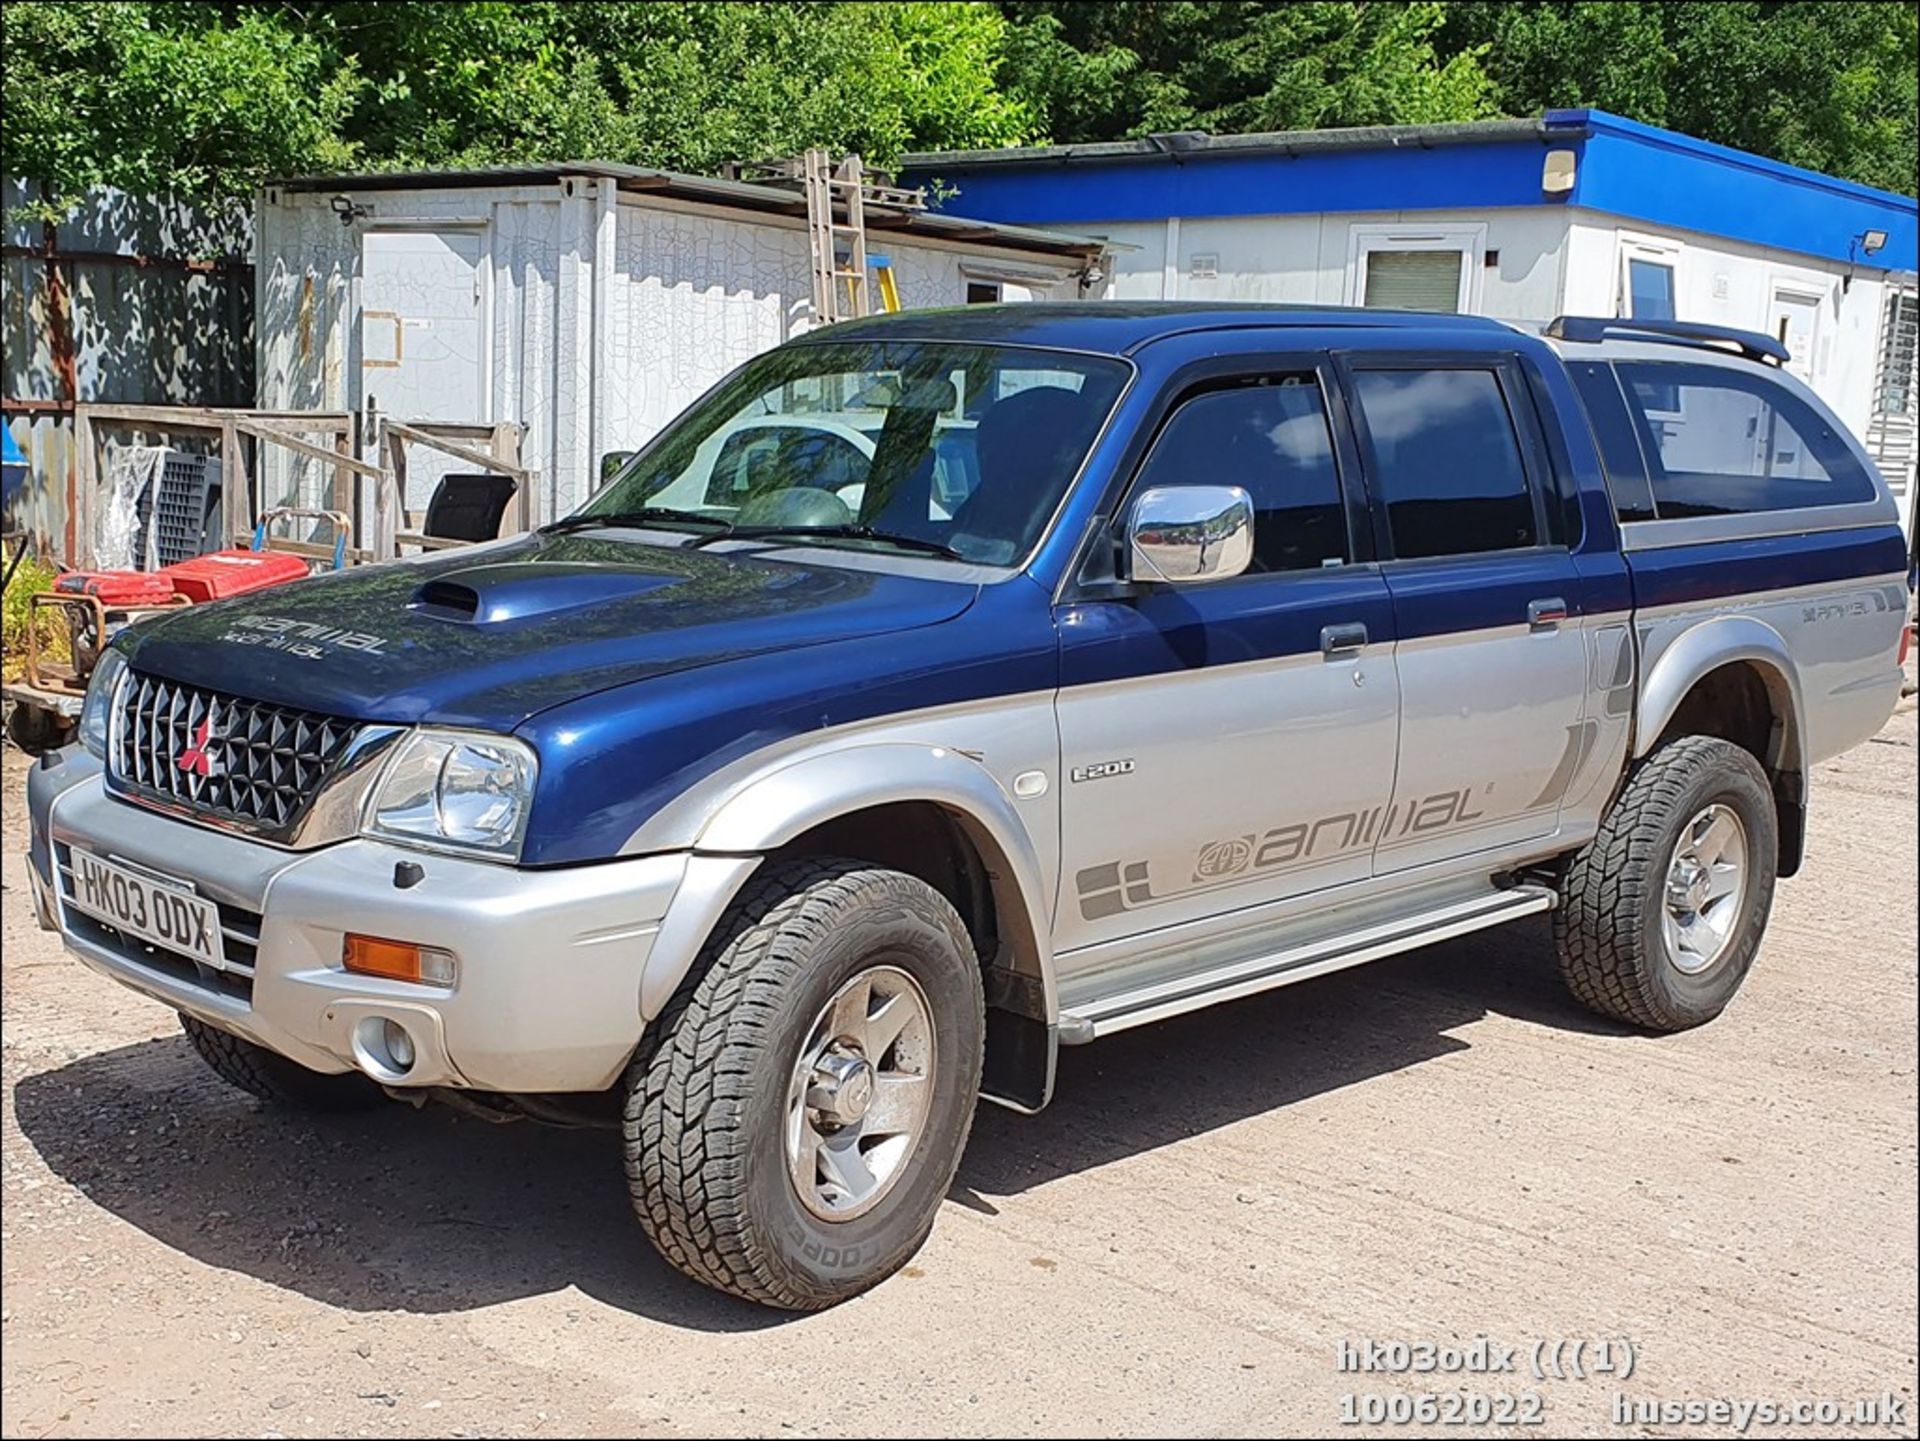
x=30, y=579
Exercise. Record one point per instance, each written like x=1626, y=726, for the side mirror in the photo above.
x=1189, y=534
x=612, y=463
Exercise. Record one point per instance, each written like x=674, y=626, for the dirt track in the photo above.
x=1435, y=1147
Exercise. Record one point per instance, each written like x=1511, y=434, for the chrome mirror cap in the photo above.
x=1189, y=534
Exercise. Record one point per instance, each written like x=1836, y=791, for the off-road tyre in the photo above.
x=706, y=1105
x=1607, y=928
x=274, y=1079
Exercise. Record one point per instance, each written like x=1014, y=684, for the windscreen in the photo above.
x=912, y=445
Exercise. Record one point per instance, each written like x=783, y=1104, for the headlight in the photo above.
x=457, y=790
x=96, y=712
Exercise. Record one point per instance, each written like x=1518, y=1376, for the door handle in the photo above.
x=1346, y=639
x=1546, y=614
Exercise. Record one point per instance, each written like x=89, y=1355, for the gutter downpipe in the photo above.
x=605, y=240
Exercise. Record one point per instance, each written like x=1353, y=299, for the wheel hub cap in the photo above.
x=859, y=1099
x=841, y=1089
x=1706, y=889
x=1687, y=889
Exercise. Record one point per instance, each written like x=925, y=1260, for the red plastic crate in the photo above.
x=116, y=588
x=227, y=573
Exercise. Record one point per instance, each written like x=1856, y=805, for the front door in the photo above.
x=1229, y=745
x=421, y=335
x=1491, y=657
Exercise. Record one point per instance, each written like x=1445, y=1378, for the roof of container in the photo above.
x=709, y=190
x=1658, y=177
x=1116, y=327
x=1182, y=144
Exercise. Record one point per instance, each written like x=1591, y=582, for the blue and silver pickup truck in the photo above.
x=946, y=688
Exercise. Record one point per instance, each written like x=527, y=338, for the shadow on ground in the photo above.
x=431, y=1212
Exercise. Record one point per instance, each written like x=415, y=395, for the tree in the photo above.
x=1827, y=84
x=183, y=103
x=206, y=100
x=1099, y=71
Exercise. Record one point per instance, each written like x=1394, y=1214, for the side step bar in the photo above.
x=1118, y=1012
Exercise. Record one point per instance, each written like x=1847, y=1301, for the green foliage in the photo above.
x=30, y=579
x=1103, y=71
x=188, y=102
x=1833, y=85
x=204, y=100
x=1828, y=84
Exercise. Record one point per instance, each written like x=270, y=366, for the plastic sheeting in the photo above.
x=130, y=472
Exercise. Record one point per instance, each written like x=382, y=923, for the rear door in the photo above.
x=1491, y=658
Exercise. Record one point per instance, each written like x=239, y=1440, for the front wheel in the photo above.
x=1661, y=915
x=793, y=1129
x=273, y=1078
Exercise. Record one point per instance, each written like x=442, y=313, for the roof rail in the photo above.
x=1750, y=343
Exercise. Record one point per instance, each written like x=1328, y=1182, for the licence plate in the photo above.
x=164, y=914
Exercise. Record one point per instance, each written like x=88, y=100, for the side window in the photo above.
x=1446, y=461
x=1720, y=441
x=1599, y=391
x=1270, y=438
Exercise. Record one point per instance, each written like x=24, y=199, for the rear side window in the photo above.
x=1446, y=461
x=1727, y=442
x=1270, y=438
x=1613, y=429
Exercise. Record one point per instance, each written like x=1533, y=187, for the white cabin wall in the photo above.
x=1307, y=259
x=304, y=298
x=689, y=293
x=694, y=296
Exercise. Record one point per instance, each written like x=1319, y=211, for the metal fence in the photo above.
x=128, y=300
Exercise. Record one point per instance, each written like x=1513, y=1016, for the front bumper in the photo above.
x=548, y=996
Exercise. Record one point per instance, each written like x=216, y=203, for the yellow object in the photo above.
x=882, y=269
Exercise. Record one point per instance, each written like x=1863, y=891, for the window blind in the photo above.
x=1413, y=280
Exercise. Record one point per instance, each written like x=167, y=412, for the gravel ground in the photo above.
x=1437, y=1147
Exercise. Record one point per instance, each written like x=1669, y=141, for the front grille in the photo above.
x=239, y=941
x=232, y=760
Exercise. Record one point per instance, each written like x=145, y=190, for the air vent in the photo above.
x=448, y=599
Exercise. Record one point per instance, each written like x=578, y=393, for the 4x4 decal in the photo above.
x=1118, y=886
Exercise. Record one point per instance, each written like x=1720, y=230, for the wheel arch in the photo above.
x=886, y=803
x=1734, y=677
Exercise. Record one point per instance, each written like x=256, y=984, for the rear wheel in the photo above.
x=802, y=1111
x=1661, y=915
x=273, y=1078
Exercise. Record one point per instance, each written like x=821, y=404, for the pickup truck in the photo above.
x=772, y=831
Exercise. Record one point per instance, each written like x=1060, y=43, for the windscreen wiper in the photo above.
x=832, y=532
x=645, y=515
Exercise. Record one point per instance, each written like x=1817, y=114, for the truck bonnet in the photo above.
x=489, y=638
